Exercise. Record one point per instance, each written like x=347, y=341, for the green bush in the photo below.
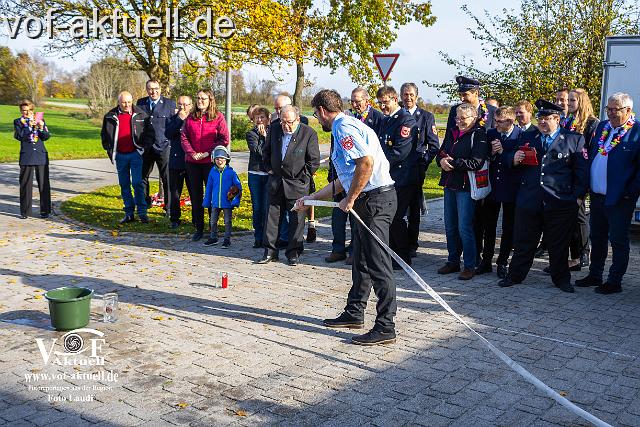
x=240, y=125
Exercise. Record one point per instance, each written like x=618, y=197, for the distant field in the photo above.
x=83, y=101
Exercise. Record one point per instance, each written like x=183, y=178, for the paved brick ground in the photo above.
x=256, y=353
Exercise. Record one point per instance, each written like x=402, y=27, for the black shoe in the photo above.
x=608, y=288
x=174, y=224
x=374, y=337
x=547, y=269
x=336, y=256
x=211, y=241
x=576, y=267
x=507, y=282
x=257, y=244
x=311, y=235
x=226, y=243
x=282, y=244
x=127, y=219
x=44, y=215
x=344, y=321
x=144, y=219
x=587, y=281
x=267, y=259
x=566, y=287
x=292, y=261
x=502, y=271
x=483, y=268
x=196, y=236
x=413, y=253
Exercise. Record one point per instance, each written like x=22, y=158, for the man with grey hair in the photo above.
x=280, y=101
x=427, y=146
x=126, y=133
x=291, y=160
x=362, y=110
x=614, y=163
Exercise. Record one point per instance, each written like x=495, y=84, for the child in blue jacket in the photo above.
x=223, y=192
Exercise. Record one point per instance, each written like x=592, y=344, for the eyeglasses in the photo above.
x=357, y=101
x=202, y=99
x=504, y=121
x=615, y=110
x=287, y=122
x=462, y=119
x=385, y=102
x=154, y=89
x=184, y=104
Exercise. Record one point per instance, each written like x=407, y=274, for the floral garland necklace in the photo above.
x=616, y=140
x=364, y=115
x=34, y=137
x=569, y=123
x=485, y=113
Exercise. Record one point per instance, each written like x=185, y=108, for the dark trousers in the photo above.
x=277, y=204
x=371, y=263
x=610, y=223
x=259, y=190
x=177, y=180
x=488, y=217
x=416, y=206
x=339, y=227
x=580, y=239
x=162, y=160
x=399, y=237
x=26, y=188
x=198, y=174
x=215, y=215
x=557, y=222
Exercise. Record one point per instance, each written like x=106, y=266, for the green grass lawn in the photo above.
x=83, y=101
x=103, y=207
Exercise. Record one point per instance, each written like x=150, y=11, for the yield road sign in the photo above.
x=385, y=63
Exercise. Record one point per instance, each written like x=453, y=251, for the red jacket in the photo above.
x=202, y=136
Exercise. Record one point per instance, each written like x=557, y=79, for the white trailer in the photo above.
x=621, y=74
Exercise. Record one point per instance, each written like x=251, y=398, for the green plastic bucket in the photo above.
x=69, y=307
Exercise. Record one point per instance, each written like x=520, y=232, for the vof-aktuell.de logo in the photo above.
x=73, y=367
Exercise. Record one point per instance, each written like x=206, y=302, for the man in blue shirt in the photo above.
x=363, y=173
x=614, y=161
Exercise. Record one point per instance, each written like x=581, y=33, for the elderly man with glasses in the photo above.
x=291, y=159
x=614, y=163
x=552, y=187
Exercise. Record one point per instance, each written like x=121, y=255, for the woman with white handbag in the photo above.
x=465, y=178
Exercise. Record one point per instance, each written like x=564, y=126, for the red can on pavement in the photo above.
x=225, y=281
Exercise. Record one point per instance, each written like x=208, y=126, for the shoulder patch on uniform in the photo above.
x=405, y=131
x=434, y=129
x=585, y=154
x=347, y=142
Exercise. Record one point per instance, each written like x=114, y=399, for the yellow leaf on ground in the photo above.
x=563, y=393
x=158, y=318
x=37, y=296
x=182, y=405
x=114, y=233
x=240, y=413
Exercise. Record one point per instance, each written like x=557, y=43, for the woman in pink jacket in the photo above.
x=204, y=129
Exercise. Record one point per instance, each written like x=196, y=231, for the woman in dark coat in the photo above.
x=581, y=120
x=464, y=149
x=257, y=175
x=32, y=132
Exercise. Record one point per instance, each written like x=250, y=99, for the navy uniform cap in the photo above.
x=465, y=83
x=546, y=108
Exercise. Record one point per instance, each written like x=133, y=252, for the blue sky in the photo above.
x=418, y=48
